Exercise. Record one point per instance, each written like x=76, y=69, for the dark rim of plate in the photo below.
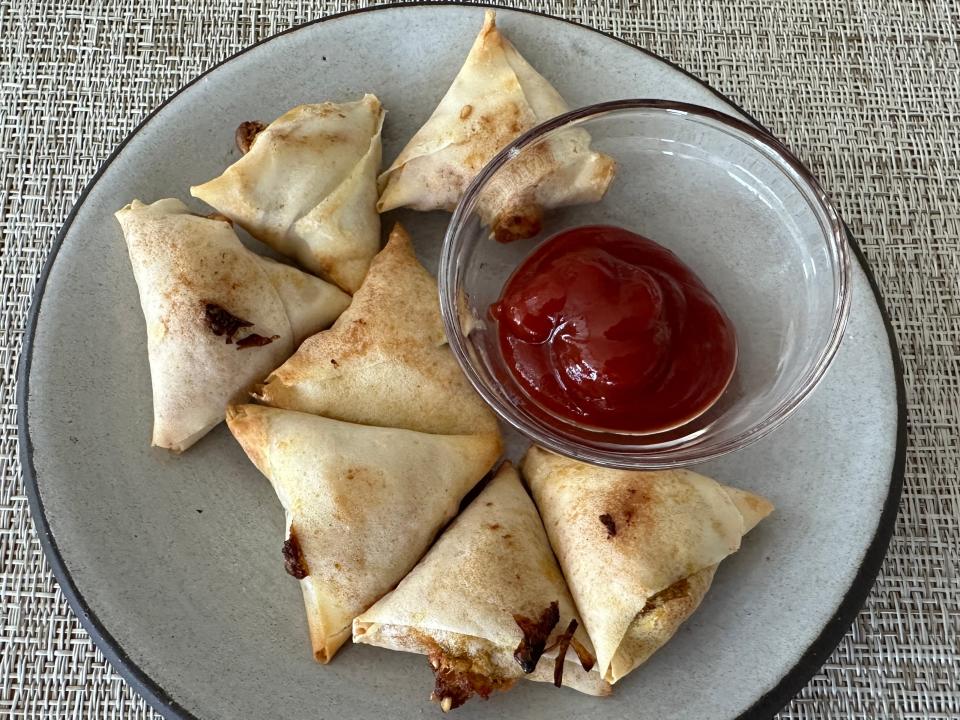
x=765, y=707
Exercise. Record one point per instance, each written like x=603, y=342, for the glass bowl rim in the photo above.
x=681, y=455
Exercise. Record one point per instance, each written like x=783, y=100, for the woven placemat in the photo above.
x=866, y=92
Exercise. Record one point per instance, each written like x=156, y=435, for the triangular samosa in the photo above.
x=496, y=97
x=363, y=503
x=385, y=361
x=484, y=603
x=308, y=187
x=219, y=317
x=638, y=549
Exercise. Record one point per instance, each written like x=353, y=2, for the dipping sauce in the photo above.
x=612, y=331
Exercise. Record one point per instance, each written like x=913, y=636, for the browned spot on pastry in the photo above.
x=631, y=508
x=493, y=526
x=609, y=524
x=507, y=123
x=293, y=561
x=465, y=111
x=334, y=363
x=518, y=224
x=364, y=475
x=246, y=133
x=535, y=634
x=491, y=132
x=222, y=322
x=293, y=136
x=254, y=340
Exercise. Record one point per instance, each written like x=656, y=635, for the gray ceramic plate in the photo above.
x=172, y=563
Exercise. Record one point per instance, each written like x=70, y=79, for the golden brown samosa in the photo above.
x=485, y=602
x=385, y=361
x=496, y=97
x=362, y=503
x=307, y=187
x=219, y=317
x=638, y=549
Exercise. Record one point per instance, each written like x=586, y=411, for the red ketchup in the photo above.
x=610, y=330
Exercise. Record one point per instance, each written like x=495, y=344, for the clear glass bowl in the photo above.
x=734, y=204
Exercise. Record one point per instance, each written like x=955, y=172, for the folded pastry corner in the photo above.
x=362, y=503
x=496, y=97
x=487, y=604
x=219, y=317
x=639, y=549
x=385, y=361
x=307, y=186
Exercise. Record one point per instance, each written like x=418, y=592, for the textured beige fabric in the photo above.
x=866, y=92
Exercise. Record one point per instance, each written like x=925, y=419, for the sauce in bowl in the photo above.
x=612, y=331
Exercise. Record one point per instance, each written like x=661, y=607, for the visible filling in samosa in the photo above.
x=362, y=503
x=639, y=549
x=487, y=605
x=373, y=438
